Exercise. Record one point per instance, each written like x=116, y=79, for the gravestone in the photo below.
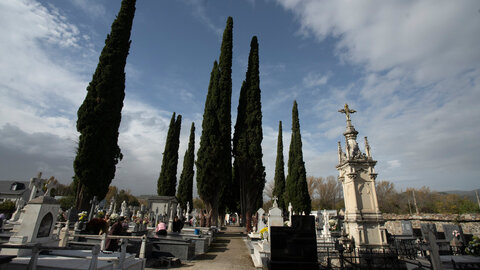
x=406, y=228
x=275, y=218
x=448, y=229
x=260, y=222
x=294, y=247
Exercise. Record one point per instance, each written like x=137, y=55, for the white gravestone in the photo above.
x=275, y=218
x=326, y=225
x=260, y=223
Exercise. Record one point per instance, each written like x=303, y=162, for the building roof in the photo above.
x=6, y=187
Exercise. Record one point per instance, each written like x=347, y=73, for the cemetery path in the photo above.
x=228, y=251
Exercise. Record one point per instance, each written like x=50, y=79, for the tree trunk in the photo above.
x=81, y=199
x=248, y=218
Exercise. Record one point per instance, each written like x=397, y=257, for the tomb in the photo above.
x=36, y=224
x=363, y=220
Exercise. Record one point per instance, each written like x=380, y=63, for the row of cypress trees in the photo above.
x=294, y=189
x=100, y=114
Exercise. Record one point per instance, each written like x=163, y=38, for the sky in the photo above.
x=411, y=70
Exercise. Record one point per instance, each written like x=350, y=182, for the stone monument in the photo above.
x=124, y=209
x=35, y=226
x=363, y=220
x=260, y=223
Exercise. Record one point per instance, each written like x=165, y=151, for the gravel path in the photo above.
x=228, y=251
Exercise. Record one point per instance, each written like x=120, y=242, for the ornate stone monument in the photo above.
x=363, y=220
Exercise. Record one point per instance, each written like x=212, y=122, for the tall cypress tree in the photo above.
x=185, y=186
x=247, y=150
x=214, y=168
x=100, y=114
x=296, y=190
x=279, y=180
x=168, y=175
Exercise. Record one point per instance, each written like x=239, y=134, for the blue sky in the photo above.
x=411, y=69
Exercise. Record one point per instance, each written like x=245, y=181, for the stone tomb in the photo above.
x=35, y=225
x=294, y=247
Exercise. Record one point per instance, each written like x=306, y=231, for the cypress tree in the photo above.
x=100, y=114
x=279, y=180
x=249, y=169
x=207, y=167
x=185, y=186
x=296, y=190
x=167, y=180
x=214, y=168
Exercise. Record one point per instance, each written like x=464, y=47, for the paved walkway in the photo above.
x=228, y=251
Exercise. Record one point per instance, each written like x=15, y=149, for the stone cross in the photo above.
x=275, y=198
x=34, y=182
x=51, y=183
x=347, y=111
x=93, y=203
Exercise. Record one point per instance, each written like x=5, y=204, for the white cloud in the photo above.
x=427, y=40
x=421, y=81
x=315, y=79
x=90, y=7
x=200, y=12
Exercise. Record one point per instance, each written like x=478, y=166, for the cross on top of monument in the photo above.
x=275, y=198
x=347, y=111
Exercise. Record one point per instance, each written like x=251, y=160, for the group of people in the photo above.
x=161, y=228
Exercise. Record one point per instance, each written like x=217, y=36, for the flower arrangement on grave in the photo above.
x=100, y=214
x=473, y=247
x=113, y=218
x=262, y=232
x=333, y=224
x=456, y=234
x=82, y=216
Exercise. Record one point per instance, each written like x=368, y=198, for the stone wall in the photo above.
x=470, y=222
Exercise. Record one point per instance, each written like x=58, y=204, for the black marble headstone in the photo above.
x=448, y=230
x=294, y=247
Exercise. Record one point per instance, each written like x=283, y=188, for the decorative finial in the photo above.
x=347, y=111
x=340, y=152
x=367, y=148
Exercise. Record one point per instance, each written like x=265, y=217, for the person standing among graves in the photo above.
x=116, y=229
x=177, y=225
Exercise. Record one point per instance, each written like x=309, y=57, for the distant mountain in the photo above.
x=463, y=193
